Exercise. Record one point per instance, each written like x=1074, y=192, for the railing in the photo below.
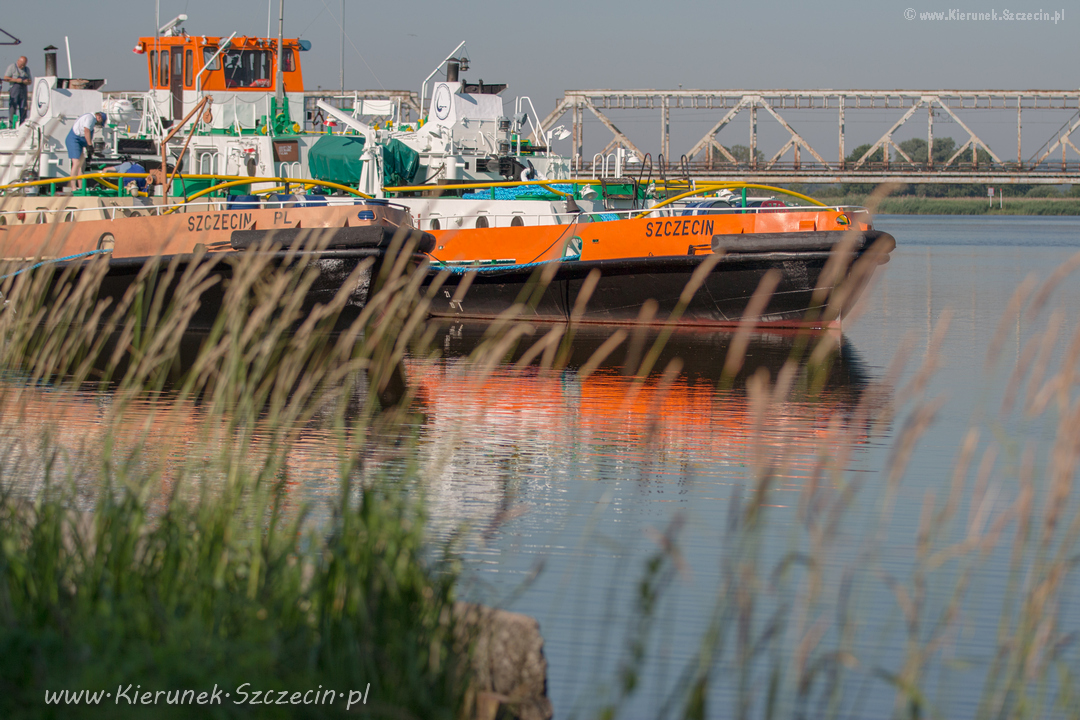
x=598, y=161
x=486, y=219
x=211, y=159
x=221, y=182
x=901, y=167
x=41, y=215
x=534, y=119
x=666, y=207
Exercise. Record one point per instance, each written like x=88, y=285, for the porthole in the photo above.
x=482, y=221
x=435, y=224
x=518, y=221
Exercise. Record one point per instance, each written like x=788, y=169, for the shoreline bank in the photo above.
x=913, y=205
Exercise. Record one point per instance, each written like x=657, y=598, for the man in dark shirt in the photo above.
x=20, y=78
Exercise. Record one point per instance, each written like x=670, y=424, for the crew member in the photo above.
x=20, y=78
x=81, y=137
x=137, y=184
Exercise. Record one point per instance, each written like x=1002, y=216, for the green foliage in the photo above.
x=916, y=149
x=915, y=205
x=222, y=592
x=220, y=579
x=855, y=155
x=1044, y=191
x=878, y=156
x=742, y=154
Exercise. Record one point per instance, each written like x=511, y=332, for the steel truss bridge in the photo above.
x=1056, y=161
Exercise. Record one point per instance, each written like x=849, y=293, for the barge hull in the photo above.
x=624, y=286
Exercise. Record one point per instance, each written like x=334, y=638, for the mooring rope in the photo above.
x=463, y=269
x=53, y=260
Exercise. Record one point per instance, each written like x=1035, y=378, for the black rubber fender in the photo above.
x=364, y=236
x=806, y=241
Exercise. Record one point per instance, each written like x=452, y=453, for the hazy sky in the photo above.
x=543, y=48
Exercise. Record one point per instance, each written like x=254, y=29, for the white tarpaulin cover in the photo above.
x=374, y=107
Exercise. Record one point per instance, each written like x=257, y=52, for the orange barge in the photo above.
x=335, y=238
x=654, y=256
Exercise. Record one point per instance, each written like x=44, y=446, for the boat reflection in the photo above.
x=493, y=438
x=502, y=436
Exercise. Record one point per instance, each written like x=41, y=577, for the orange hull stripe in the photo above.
x=620, y=238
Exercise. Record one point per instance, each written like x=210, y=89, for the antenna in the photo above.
x=423, y=85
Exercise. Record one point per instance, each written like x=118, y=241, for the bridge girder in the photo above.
x=947, y=102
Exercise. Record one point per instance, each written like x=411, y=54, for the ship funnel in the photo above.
x=50, y=60
x=452, y=68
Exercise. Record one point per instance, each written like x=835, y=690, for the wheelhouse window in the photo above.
x=288, y=62
x=208, y=55
x=188, y=68
x=247, y=68
x=163, y=78
x=153, y=68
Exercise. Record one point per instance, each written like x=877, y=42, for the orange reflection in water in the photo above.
x=480, y=426
x=643, y=421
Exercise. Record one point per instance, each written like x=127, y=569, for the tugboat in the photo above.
x=136, y=220
x=558, y=241
x=496, y=213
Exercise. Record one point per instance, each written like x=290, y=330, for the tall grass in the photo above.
x=802, y=609
x=195, y=568
x=133, y=566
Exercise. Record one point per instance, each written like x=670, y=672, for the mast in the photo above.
x=342, y=47
x=279, y=81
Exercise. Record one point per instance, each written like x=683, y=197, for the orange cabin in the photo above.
x=188, y=62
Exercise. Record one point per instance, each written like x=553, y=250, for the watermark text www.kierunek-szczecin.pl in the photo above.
x=1004, y=15
x=243, y=695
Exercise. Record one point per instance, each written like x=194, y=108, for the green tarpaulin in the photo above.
x=336, y=158
x=399, y=163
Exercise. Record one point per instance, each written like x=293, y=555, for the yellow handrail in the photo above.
x=484, y=186
x=702, y=188
x=727, y=186
x=252, y=181
x=278, y=180
x=86, y=176
x=233, y=180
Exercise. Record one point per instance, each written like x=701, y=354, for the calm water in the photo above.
x=558, y=488
x=566, y=483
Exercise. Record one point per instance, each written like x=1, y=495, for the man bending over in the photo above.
x=80, y=138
